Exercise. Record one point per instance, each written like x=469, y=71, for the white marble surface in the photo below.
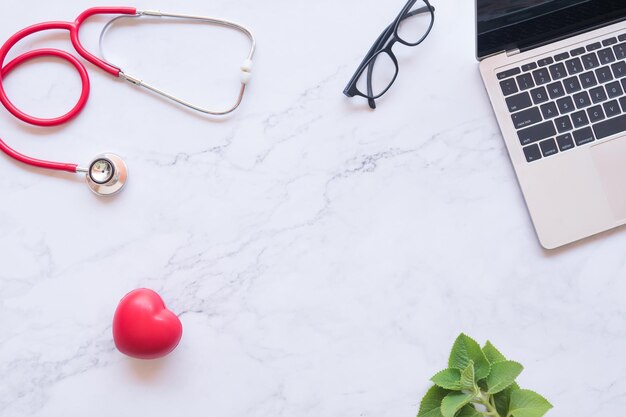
x=322, y=257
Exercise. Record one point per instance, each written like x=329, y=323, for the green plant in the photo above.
x=480, y=382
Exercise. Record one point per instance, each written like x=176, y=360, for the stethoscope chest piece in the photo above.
x=106, y=174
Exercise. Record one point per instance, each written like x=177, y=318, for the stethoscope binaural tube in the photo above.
x=39, y=163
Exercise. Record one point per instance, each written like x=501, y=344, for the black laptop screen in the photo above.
x=522, y=24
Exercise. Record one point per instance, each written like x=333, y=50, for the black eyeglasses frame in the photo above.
x=384, y=44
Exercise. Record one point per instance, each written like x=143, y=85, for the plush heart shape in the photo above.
x=143, y=327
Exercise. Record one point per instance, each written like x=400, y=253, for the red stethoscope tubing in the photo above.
x=74, y=30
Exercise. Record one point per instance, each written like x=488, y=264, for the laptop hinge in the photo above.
x=512, y=52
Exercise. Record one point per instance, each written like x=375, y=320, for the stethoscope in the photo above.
x=107, y=173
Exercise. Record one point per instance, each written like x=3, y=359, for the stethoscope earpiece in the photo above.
x=106, y=175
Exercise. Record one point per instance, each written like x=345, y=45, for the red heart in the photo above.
x=143, y=327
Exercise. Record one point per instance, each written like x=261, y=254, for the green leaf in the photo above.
x=469, y=411
x=449, y=379
x=453, y=402
x=525, y=403
x=482, y=384
x=468, y=379
x=431, y=403
x=503, y=399
x=492, y=354
x=466, y=349
x=502, y=375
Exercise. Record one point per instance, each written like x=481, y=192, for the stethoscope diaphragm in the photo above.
x=107, y=174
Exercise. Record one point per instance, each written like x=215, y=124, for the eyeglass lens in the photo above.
x=414, y=26
x=379, y=75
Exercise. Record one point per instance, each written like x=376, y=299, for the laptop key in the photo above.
x=609, y=41
x=558, y=71
x=574, y=66
x=590, y=61
x=610, y=127
x=561, y=56
x=539, y=95
x=622, y=102
x=536, y=133
x=614, y=89
x=583, y=136
x=532, y=153
x=508, y=86
x=620, y=51
x=555, y=90
x=588, y=79
x=582, y=100
x=548, y=147
x=541, y=76
x=508, y=73
x=622, y=37
x=545, y=61
x=606, y=56
x=529, y=67
x=619, y=69
x=580, y=119
x=525, y=81
x=518, y=102
x=594, y=46
x=565, y=105
x=597, y=94
x=577, y=51
x=604, y=74
x=595, y=114
x=549, y=110
x=526, y=117
x=563, y=124
x=565, y=142
x=611, y=108
x=572, y=85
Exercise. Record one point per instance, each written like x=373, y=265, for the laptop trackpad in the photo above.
x=610, y=161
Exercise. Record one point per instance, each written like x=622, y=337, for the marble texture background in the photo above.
x=322, y=257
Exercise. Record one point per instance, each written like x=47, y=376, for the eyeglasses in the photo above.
x=410, y=28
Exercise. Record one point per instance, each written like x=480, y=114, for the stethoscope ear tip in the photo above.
x=107, y=174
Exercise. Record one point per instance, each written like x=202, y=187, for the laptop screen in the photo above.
x=523, y=24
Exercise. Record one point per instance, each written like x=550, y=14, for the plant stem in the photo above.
x=487, y=401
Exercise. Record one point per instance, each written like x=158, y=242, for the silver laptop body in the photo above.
x=561, y=107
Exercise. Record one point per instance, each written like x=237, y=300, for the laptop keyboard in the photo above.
x=568, y=100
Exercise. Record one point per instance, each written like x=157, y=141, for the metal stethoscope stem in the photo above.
x=246, y=67
x=107, y=173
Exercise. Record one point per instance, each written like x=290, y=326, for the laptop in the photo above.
x=555, y=72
